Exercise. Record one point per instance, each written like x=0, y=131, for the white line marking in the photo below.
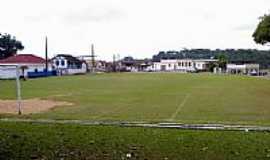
x=179, y=107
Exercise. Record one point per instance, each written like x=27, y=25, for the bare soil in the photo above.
x=30, y=106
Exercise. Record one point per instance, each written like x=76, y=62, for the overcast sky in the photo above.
x=139, y=28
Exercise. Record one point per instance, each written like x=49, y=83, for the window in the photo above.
x=36, y=70
x=62, y=62
x=203, y=66
x=57, y=63
x=189, y=64
x=169, y=65
x=79, y=66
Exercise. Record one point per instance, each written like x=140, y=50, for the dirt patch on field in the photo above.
x=30, y=106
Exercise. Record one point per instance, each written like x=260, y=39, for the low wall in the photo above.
x=76, y=71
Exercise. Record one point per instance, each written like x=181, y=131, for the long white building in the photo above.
x=183, y=65
x=245, y=68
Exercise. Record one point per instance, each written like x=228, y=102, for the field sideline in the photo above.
x=151, y=97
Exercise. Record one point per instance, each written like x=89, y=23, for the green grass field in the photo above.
x=151, y=97
x=48, y=141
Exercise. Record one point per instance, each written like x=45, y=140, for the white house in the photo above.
x=66, y=64
x=183, y=65
x=28, y=63
x=243, y=68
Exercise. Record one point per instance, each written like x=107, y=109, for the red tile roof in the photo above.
x=23, y=58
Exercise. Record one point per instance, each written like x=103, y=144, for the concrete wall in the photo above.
x=9, y=72
x=72, y=71
x=78, y=71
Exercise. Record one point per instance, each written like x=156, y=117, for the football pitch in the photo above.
x=150, y=97
x=130, y=97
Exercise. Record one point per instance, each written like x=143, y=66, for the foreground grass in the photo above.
x=152, y=97
x=48, y=141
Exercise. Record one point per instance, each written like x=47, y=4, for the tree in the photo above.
x=262, y=33
x=9, y=45
x=222, y=61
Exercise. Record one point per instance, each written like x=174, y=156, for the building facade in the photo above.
x=245, y=68
x=183, y=65
x=129, y=64
x=66, y=64
x=29, y=64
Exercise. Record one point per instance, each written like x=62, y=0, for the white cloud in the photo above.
x=128, y=27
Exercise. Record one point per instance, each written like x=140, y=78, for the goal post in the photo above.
x=13, y=72
x=18, y=88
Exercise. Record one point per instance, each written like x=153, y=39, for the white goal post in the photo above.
x=13, y=72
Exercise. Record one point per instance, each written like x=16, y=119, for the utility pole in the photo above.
x=93, y=58
x=118, y=62
x=114, y=63
x=46, y=53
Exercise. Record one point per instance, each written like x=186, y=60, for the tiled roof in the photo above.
x=23, y=58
